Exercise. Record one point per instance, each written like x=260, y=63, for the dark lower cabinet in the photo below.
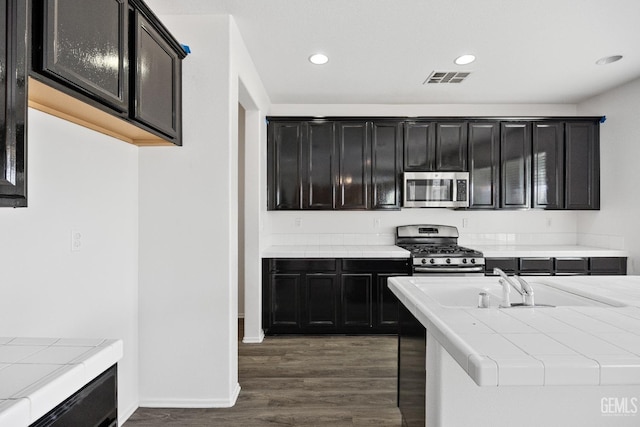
x=412, y=371
x=96, y=404
x=562, y=266
x=607, y=265
x=285, y=300
x=13, y=104
x=337, y=296
x=356, y=300
x=321, y=302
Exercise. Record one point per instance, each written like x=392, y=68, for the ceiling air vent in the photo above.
x=447, y=77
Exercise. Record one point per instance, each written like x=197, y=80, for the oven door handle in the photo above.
x=477, y=269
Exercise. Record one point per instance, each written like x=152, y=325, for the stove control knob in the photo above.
x=464, y=260
x=424, y=261
x=473, y=260
x=448, y=261
x=433, y=261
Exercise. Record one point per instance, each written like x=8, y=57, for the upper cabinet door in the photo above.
x=13, y=105
x=318, y=178
x=386, y=173
x=451, y=147
x=582, y=165
x=353, y=151
x=419, y=146
x=84, y=45
x=283, y=156
x=158, y=99
x=515, y=157
x=484, y=160
x=548, y=165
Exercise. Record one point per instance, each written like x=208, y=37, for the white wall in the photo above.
x=188, y=225
x=617, y=220
x=77, y=180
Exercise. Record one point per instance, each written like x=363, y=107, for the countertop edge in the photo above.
x=45, y=393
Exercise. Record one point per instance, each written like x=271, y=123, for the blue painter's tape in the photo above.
x=186, y=48
x=603, y=119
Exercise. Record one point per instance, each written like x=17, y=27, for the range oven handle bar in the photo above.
x=477, y=269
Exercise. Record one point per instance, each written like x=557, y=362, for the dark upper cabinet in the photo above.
x=451, y=147
x=318, y=176
x=484, y=161
x=13, y=78
x=548, y=165
x=353, y=155
x=582, y=165
x=157, y=80
x=84, y=44
x=283, y=157
x=114, y=56
x=419, y=146
x=515, y=164
x=386, y=165
x=433, y=146
x=319, y=164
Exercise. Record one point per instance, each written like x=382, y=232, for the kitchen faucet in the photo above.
x=522, y=287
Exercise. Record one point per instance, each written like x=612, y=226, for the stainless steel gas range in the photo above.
x=435, y=251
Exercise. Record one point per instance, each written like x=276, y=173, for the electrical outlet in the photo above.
x=76, y=240
x=376, y=223
x=297, y=222
x=465, y=222
x=548, y=221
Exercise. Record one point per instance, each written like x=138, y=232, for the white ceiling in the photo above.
x=381, y=51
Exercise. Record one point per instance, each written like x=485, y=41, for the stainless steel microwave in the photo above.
x=436, y=190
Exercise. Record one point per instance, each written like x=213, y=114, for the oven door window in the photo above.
x=432, y=190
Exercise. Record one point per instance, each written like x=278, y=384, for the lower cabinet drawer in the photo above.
x=536, y=265
x=608, y=265
x=569, y=266
x=508, y=265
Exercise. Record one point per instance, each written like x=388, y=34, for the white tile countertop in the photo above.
x=37, y=374
x=564, y=345
x=335, y=251
x=392, y=251
x=546, y=251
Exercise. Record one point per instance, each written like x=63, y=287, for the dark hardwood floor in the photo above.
x=302, y=381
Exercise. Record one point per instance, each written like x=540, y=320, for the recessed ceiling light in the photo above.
x=465, y=59
x=319, y=58
x=609, y=59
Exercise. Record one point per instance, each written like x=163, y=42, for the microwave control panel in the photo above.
x=461, y=185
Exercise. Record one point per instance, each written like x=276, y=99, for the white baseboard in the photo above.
x=124, y=415
x=193, y=403
x=254, y=340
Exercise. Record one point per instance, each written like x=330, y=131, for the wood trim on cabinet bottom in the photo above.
x=52, y=101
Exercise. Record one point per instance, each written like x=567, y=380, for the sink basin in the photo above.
x=465, y=295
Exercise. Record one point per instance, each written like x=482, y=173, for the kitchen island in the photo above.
x=38, y=375
x=574, y=364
